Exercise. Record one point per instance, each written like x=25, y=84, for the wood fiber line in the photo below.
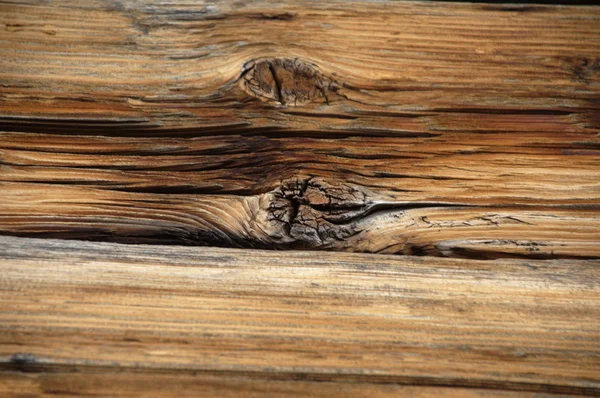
x=222, y=319
x=447, y=129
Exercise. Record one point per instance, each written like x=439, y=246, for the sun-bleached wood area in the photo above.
x=401, y=131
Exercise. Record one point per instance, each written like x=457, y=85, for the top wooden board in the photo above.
x=449, y=129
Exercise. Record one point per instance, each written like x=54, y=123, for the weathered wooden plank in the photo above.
x=257, y=192
x=448, y=129
x=517, y=325
x=161, y=385
x=147, y=66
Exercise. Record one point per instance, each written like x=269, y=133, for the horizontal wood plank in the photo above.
x=504, y=325
x=170, y=68
x=487, y=202
x=447, y=129
x=166, y=385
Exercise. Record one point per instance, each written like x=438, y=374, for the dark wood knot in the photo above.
x=286, y=82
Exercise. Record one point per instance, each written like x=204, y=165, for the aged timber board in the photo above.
x=447, y=129
x=105, y=319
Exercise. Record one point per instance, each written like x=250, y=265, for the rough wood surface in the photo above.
x=465, y=130
x=160, y=385
x=72, y=314
x=169, y=384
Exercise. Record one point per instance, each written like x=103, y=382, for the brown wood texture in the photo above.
x=160, y=385
x=109, y=319
x=447, y=129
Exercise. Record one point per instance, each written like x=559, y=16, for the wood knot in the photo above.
x=313, y=213
x=286, y=82
x=583, y=69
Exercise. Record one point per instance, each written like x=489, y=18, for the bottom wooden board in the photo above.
x=157, y=385
x=105, y=319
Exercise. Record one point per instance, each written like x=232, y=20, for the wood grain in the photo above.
x=160, y=385
x=463, y=130
x=235, y=320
